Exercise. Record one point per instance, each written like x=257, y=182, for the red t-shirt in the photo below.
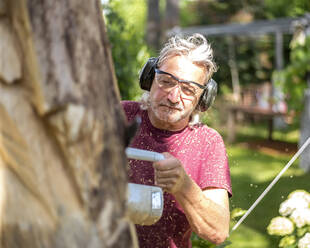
x=203, y=155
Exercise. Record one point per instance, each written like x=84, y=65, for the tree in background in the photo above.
x=125, y=27
x=254, y=56
x=161, y=16
x=153, y=27
x=136, y=29
x=172, y=16
x=276, y=9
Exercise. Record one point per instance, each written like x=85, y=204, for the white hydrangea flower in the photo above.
x=301, y=216
x=289, y=205
x=304, y=242
x=280, y=226
x=300, y=194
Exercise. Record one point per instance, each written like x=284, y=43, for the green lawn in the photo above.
x=251, y=172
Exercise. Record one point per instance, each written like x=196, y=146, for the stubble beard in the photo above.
x=168, y=114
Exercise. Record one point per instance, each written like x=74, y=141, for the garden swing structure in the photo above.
x=276, y=27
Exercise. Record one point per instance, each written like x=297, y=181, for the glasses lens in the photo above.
x=167, y=83
x=187, y=89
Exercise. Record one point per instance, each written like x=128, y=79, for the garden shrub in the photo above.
x=293, y=224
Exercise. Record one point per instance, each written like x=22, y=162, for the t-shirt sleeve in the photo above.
x=215, y=169
x=131, y=109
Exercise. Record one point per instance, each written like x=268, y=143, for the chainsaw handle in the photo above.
x=139, y=154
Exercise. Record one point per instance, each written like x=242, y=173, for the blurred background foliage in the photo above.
x=255, y=56
x=293, y=77
x=126, y=22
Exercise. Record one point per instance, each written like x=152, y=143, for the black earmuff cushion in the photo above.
x=208, y=96
x=146, y=78
x=147, y=74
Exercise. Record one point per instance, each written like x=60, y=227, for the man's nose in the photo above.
x=174, y=94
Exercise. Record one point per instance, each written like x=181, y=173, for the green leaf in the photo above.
x=237, y=212
x=302, y=231
x=288, y=241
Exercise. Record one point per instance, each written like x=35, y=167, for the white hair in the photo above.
x=195, y=47
x=198, y=50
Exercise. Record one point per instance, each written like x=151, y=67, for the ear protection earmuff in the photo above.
x=147, y=75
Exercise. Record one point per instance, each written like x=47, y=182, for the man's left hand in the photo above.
x=170, y=174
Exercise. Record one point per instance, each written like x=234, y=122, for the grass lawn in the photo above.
x=252, y=170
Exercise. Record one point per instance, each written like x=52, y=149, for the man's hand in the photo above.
x=206, y=211
x=170, y=174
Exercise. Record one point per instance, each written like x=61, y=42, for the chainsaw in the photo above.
x=144, y=203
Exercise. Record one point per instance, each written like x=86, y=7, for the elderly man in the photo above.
x=194, y=174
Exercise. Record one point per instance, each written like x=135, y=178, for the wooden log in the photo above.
x=63, y=173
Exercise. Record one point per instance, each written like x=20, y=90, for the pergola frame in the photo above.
x=282, y=25
x=277, y=27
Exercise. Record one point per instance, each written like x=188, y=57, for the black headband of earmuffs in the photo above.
x=147, y=75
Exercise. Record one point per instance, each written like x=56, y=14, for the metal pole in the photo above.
x=272, y=183
x=304, y=161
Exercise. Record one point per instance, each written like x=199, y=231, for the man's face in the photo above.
x=171, y=107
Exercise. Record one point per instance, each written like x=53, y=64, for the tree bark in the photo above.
x=62, y=164
x=153, y=31
x=172, y=16
x=171, y=19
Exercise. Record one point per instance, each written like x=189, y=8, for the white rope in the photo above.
x=272, y=183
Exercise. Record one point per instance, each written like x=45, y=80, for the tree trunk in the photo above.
x=172, y=16
x=62, y=164
x=153, y=24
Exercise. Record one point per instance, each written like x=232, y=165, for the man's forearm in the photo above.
x=207, y=218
